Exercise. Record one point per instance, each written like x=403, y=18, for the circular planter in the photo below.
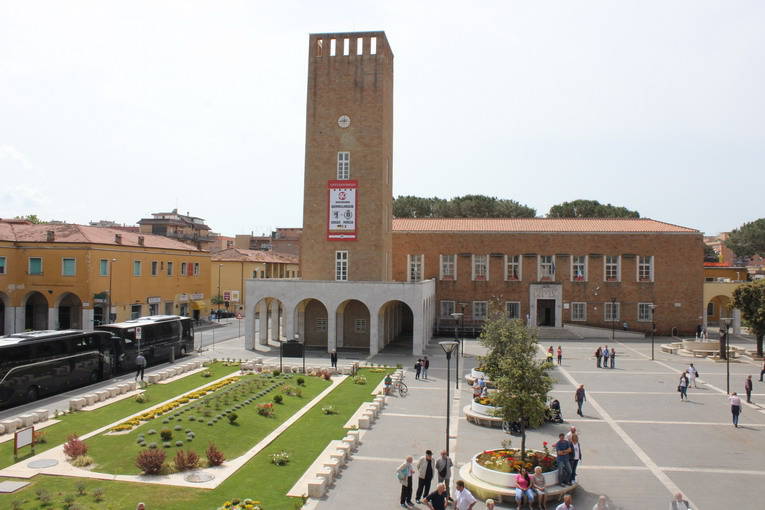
x=504, y=479
x=477, y=374
x=484, y=410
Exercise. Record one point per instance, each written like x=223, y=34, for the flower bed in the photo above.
x=241, y=504
x=499, y=467
x=485, y=406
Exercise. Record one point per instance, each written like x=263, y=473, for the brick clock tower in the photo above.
x=348, y=200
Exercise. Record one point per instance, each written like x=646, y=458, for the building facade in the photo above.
x=181, y=227
x=66, y=276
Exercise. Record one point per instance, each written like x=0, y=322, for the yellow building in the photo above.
x=62, y=276
x=230, y=268
x=720, y=280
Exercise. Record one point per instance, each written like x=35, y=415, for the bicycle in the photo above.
x=401, y=388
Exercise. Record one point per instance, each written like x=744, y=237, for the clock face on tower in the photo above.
x=344, y=121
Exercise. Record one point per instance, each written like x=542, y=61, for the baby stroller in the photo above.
x=553, y=414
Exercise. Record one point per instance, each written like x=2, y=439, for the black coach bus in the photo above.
x=41, y=363
x=158, y=337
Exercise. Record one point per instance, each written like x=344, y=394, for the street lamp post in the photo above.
x=653, y=328
x=109, y=307
x=457, y=316
x=727, y=323
x=448, y=346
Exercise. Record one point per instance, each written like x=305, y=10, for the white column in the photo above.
x=8, y=326
x=301, y=327
x=53, y=318
x=289, y=323
x=374, y=345
x=339, y=328
x=18, y=315
x=87, y=319
x=249, y=327
x=417, y=330
x=331, y=330
x=263, y=322
x=736, y=321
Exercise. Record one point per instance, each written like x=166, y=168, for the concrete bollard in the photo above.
x=76, y=404
x=27, y=419
x=10, y=426
x=102, y=395
x=42, y=415
x=332, y=464
x=317, y=487
x=326, y=473
x=364, y=422
x=113, y=391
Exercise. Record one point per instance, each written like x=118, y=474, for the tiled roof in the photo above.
x=525, y=225
x=242, y=255
x=68, y=233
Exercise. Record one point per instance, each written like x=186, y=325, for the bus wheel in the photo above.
x=33, y=393
x=183, y=350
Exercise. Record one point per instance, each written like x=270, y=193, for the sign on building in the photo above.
x=341, y=222
x=226, y=295
x=234, y=296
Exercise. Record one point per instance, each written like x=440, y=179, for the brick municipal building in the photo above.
x=368, y=280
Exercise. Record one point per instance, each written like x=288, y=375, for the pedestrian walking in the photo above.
x=678, y=503
x=404, y=474
x=693, y=373
x=762, y=372
x=560, y=355
x=570, y=433
x=748, y=389
x=444, y=469
x=550, y=355
x=463, y=499
x=417, y=368
x=576, y=456
x=563, y=452
x=426, y=467
x=598, y=355
x=682, y=386
x=140, y=366
x=567, y=503
x=580, y=398
x=735, y=407
x=606, y=354
x=613, y=357
x=437, y=500
x=425, y=367
x=333, y=358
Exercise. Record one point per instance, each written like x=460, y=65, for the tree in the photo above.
x=710, y=255
x=748, y=239
x=520, y=378
x=750, y=299
x=31, y=218
x=468, y=206
x=590, y=209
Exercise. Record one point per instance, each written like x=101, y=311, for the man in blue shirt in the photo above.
x=563, y=453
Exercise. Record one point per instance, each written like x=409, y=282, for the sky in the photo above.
x=114, y=110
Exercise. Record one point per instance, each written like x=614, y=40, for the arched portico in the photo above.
x=35, y=311
x=311, y=322
x=69, y=311
x=352, y=325
x=268, y=323
x=395, y=324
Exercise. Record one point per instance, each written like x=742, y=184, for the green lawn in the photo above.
x=87, y=421
x=258, y=479
x=233, y=440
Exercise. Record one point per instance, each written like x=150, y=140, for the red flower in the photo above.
x=544, y=443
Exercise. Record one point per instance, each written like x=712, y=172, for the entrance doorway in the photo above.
x=545, y=312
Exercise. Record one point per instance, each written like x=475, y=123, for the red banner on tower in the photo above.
x=341, y=210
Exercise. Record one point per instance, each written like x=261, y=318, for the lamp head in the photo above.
x=448, y=346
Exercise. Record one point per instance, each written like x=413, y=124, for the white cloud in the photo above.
x=9, y=152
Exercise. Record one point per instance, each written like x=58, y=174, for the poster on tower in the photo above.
x=341, y=220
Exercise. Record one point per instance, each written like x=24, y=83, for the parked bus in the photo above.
x=158, y=337
x=41, y=363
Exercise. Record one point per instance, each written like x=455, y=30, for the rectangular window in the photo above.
x=578, y=311
x=135, y=311
x=68, y=267
x=611, y=311
x=644, y=312
x=2, y=265
x=103, y=267
x=343, y=166
x=341, y=266
x=547, y=267
x=183, y=269
x=448, y=267
x=710, y=309
x=415, y=268
x=136, y=268
x=479, y=310
x=154, y=268
x=196, y=268
x=360, y=326
x=513, y=267
x=480, y=267
x=255, y=274
x=447, y=309
x=321, y=324
x=645, y=268
x=513, y=309
x=612, y=268
x=579, y=268
x=169, y=268
x=35, y=265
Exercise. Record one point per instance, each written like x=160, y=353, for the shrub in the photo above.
x=278, y=399
x=359, y=379
x=80, y=488
x=151, y=432
x=150, y=461
x=166, y=434
x=38, y=437
x=329, y=410
x=166, y=444
x=179, y=443
x=214, y=456
x=98, y=494
x=177, y=428
x=142, y=398
x=152, y=446
x=300, y=381
x=266, y=410
x=276, y=373
x=74, y=447
x=280, y=458
x=206, y=373
x=232, y=418
x=82, y=461
x=185, y=460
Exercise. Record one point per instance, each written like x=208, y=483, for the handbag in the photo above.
x=679, y=388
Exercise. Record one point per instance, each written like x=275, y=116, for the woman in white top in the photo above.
x=576, y=455
x=735, y=407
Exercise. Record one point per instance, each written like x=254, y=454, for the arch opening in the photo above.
x=35, y=312
x=311, y=323
x=396, y=327
x=69, y=312
x=352, y=325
